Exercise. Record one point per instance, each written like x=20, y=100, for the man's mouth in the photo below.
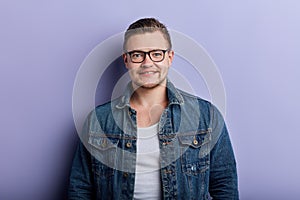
x=148, y=72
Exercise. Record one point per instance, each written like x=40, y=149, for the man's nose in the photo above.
x=147, y=60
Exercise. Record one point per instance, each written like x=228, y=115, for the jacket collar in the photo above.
x=173, y=94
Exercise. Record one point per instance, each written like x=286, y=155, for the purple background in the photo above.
x=254, y=43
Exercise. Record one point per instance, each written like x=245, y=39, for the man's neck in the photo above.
x=148, y=97
x=149, y=104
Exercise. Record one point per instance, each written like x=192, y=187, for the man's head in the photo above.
x=147, y=52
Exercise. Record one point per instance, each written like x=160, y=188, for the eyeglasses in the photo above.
x=156, y=55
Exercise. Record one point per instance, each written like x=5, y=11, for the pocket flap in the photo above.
x=195, y=139
x=102, y=142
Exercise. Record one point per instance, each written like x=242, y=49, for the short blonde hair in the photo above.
x=146, y=25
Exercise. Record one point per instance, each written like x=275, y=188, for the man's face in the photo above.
x=148, y=73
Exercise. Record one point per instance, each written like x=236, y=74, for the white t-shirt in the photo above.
x=147, y=177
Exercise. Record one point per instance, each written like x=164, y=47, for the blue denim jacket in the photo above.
x=196, y=156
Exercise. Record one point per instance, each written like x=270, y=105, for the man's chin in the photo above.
x=149, y=85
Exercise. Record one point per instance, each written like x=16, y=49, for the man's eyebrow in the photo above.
x=159, y=49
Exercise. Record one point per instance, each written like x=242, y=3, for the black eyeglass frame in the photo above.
x=147, y=53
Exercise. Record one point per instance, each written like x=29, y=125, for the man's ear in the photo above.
x=171, y=56
x=125, y=59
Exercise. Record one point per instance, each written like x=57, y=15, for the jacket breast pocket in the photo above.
x=195, y=151
x=104, y=151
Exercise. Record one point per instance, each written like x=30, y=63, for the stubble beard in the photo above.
x=140, y=83
x=150, y=85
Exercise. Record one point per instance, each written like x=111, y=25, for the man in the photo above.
x=155, y=141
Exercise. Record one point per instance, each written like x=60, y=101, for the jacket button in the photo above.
x=195, y=142
x=128, y=144
x=125, y=174
x=193, y=168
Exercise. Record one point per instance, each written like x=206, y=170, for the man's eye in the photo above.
x=136, y=55
x=157, y=54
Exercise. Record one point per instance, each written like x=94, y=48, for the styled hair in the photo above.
x=146, y=25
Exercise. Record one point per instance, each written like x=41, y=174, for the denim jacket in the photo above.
x=196, y=156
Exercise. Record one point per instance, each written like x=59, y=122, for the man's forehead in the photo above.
x=148, y=40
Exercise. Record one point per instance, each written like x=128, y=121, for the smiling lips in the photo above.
x=148, y=72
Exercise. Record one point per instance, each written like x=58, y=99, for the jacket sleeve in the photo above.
x=81, y=178
x=223, y=183
x=80, y=181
